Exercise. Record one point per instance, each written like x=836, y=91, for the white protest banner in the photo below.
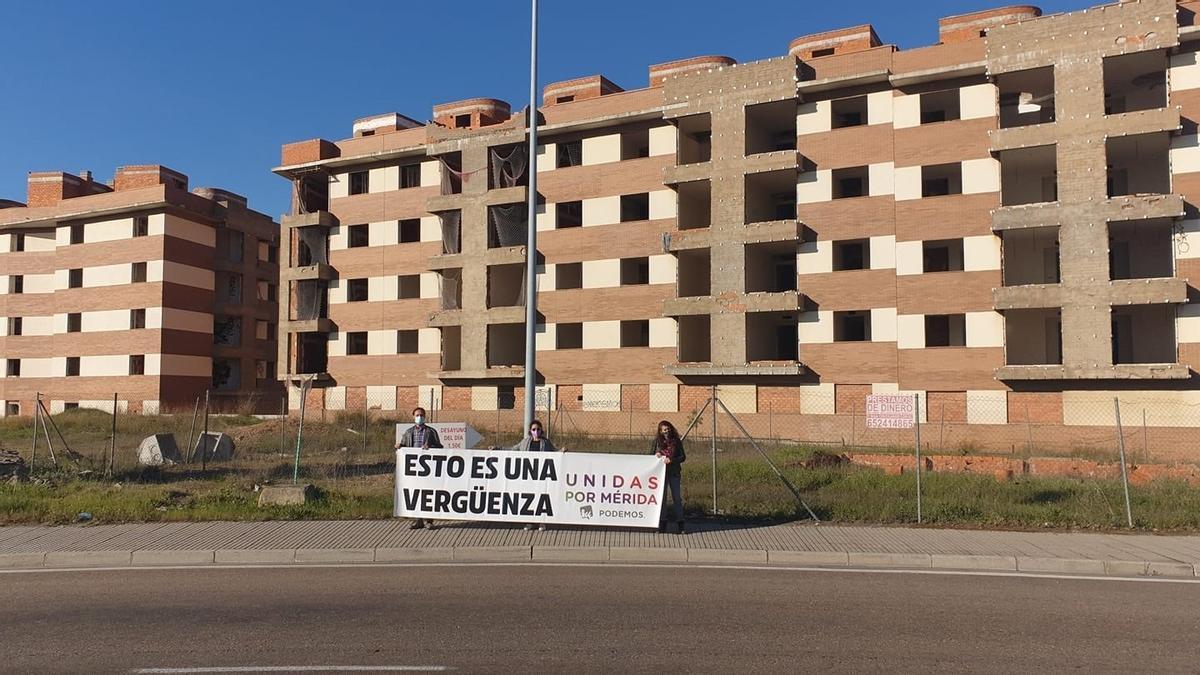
x=453, y=435
x=566, y=488
x=890, y=411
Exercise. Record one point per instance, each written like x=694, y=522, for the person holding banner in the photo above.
x=535, y=441
x=420, y=435
x=669, y=446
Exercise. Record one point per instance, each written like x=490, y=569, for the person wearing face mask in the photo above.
x=420, y=435
x=535, y=441
x=668, y=445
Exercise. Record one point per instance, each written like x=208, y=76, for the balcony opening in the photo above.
x=1031, y=256
x=309, y=300
x=507, y=166
x=231, y=244
x=851, y=182
x=312, y=353
x=451, y=347
x=771, y=267
x=635, y=333
x=1033, y=337
x=695, y=204
x=848, y=112
x=568, y=336
x=1026, y=97
x=229, y=286
x=568, y=276
x=1139, y=164
x=854, y=254
x=938, y=180
x=410, y=176
x=635, y=271
x=310, y=193
x=358, y=236
x=568, y=214
x=635, y=144
x=312, y=246
x=356, y=343
x=942, y=255
x=770, y=196
x=771, y=127
x=695, y=139
x=507, y=225
x=408, y=287
x=506, y=397
x=360, y=183
x=1143, y=334
x=1028, y=175
x=410, y=230
x=771, y=336
x=450, y=288
x=854, y=326
x=357, y=290
x=407, y=342
x=451, y=173
x=227, y=331
x=451, y=225
x=939, y=106
x=505, y=344
x=695, y=344
x=945, y=330
x=1135, y=81
x=1141, y=249
x=695, y=273
x=635, y=207
x=505, y=286
x=568, y=154
x=226, y=374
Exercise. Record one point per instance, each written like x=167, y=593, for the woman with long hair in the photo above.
x=668, y=445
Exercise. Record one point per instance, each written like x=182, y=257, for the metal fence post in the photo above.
x=713, y=446
x=33, y=452
x=204, y=438
x=299, y=435
x=189, y=451
x=917, y=425
x=1145, y=437
x=1029, y=428
x=1124, y=471
x=283, y=422
x=112, y=446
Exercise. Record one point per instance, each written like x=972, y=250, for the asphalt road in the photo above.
x=527, y=618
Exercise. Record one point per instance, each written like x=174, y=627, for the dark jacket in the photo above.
x=523, y=446
x=431, y=438
x=679, y=458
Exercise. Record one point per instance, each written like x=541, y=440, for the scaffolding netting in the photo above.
x=451, y=286
x=506, y=225
x=451, y=231
x=508, y=169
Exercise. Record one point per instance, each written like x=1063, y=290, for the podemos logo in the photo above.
x=585, y=512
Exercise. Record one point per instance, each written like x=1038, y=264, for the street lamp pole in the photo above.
x=531, y=226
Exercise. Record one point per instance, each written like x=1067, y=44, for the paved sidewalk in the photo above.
x=806, y=544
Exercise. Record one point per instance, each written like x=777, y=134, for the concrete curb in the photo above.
x=599, y=554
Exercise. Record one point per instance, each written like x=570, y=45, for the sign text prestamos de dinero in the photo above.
x=569, y=488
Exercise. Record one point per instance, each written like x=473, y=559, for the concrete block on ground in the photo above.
x=192, y=557
x=839, y=558
x=438, y=554
x=919, y=560
x=571, y=553
x=653, y=555
x=493, y=553
x=1061, y=565
x=251, y=556
x=729, y=556
x=158, y=450
x=1171, y=569
x=1139, y=568
x=88, y=558
x=10, y=561
x=335, y=555
x=213, y=447
x=1005, y=563
x=286, y=495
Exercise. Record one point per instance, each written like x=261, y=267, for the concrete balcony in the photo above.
x=1138, y=371
x=1159, y=291
x=321, y=325
x=314, y=380
x=769, y=369
x=319, y=271
x=1054, y=214
x=315, y=219
x=503, y=373
x=1032, y=296
x=735, y=303
x=447, y=317
x=686, y=173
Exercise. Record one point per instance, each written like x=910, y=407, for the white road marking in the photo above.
x=295, y=669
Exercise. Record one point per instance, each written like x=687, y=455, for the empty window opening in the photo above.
x=357, y=290
x=1033, y=337
x=410, y=176
x=694, y=203
x=72, y=366
x=635, y=333
x=568, y=276
x=1141, y=249
x=508, y=166
x=695, y=273
x=450, y=288
x=462, y=121
x=852, y=326
x=409, y=286
x=1135, y=82
x=506, y=225
x=227, y=331
x=450, y=165
x=451, y=226
x=635, y=207
x=359, y=182
x=825, y=51
x=312, y=353
x=938, y=180
x=410, y=230
x=568, y=154
x=506, y=397
x=17, y=243
x=141, y=226
x=77, y=233
x=12, y=408
x=16, y=284
x=568, y=336
x=635, y=144
x=851, y=182
x=70, y=405
x=1026, y=97
x=939, y=106
x=1028, y=175
x=506, y=285
x=14, y=325
x=1139, y=164
x=635, y=271
x=358, y=236
x=74, y=322
x=770, y=196
x=848, y=112
x=137, y=364
x=564, y=99
x=1143, y=334
x=771, y=127
x=695, y=139
x=695, y=343
x=451, y=347
x=75, y=277
x=568, y=214
x=310, y=300
x=311, y=246
x=138, y=275
x=851, y=255
x=771, y=336
x=1030, y=256
x=12, y=367
x=356, y=343
x=771, y=267
x=406, y=342
x=506, y=344
x=945, y=330
x=231, y=244
x=942, y=255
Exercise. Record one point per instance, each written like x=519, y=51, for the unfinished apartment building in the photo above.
x=139, y=288
x=1000, y=223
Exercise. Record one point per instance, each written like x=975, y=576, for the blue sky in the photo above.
x=213, y=89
